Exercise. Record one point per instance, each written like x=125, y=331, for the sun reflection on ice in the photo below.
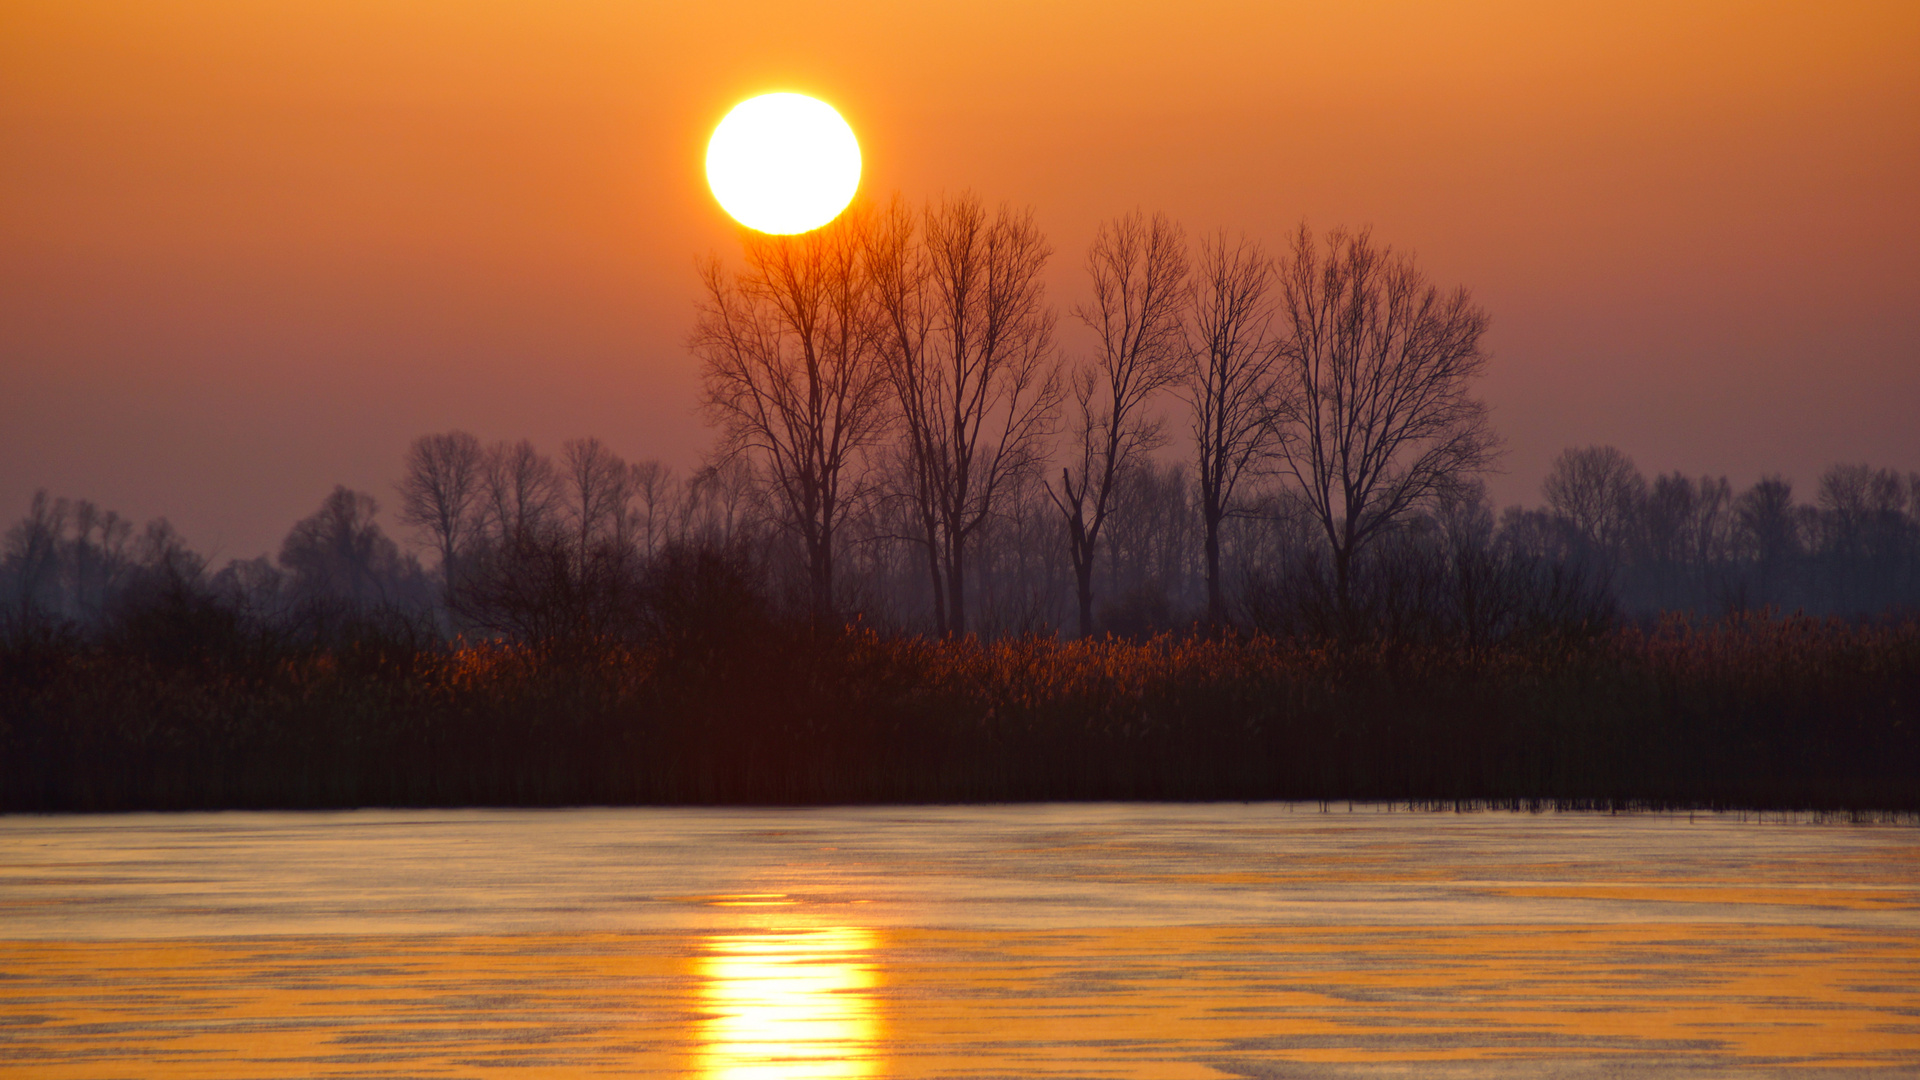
x=797, y=1005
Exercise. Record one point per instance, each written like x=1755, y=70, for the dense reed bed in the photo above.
x=1753, y=712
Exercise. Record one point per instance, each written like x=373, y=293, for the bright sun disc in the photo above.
x=783, y=163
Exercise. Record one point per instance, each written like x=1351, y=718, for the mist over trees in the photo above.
x=544, y=551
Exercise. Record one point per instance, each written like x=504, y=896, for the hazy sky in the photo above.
x=250, y=250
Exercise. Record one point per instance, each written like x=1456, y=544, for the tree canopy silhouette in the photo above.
x=1375, y=413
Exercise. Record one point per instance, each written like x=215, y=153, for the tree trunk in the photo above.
x=1083, y=572
x=1216, y=599
x=956, y=592
x=1342, y=591
x=951, y=580
x=1080, y=553
x=446, y=570
x=934, y=579
x=822, y=581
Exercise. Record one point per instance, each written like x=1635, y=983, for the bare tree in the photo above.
x=340, y=554
x=787, y=348
x=653, y=493
x=1229, y=385
x=719, y=504
x=517, y=538
x=162, y=551
x=1150, y=554
x=597, y=494
x=1667, y=516
x=1139, y=272
x=1710, y=533
x=1772, y=531
x=441, y=493
x=967, y=341
x=1685, y=527
x=519, y=490
x=1600, y=493
x=254, y=586
x=1772, y=526
x=32, y=558
x=96, y=559
x=555, y=564
x=1864, y=512
x=1375, y=416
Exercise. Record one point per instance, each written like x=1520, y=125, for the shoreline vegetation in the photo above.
x=721, y=700
x=935, y=558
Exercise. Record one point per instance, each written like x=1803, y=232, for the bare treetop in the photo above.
x=967, y=342
x=1229, y=383
x=1377, y=414
x=441, y=493
x=1138, y=270
x=787, y=349
x=1598, y=491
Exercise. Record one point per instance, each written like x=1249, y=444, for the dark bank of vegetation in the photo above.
x=932, y=560
x=705, y=693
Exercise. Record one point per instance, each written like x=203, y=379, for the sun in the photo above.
x=783, y=163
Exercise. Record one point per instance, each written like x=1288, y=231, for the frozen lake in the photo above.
x=1147, y=940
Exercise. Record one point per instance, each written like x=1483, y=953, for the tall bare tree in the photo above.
x=1599, y=493
x=1229, y=385
x=441, y=493
x=1376, y=414
x=789, y=371
x=653, y=493
x=721, y=503
x=599, y=494
x=966, y=337
x=1138, y=268
x=519, y=492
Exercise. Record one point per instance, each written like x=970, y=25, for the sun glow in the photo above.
x=783, y=163
x=790, y=1006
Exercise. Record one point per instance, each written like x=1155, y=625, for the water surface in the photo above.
x=1265, y=940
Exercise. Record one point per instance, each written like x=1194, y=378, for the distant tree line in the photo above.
x=540, y=548
x=1683, y=543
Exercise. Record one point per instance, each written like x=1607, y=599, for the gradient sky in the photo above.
x=248, y=251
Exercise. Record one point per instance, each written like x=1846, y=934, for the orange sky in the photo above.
x=250, y=250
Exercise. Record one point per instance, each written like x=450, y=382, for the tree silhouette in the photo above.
x=1375, y=414
x=339, y=554
x=967, y=341
x=519, y=493
x=1229, y=384
x=789, y=374
x=1598, y=492
x=1138, y=268
x=441, y=492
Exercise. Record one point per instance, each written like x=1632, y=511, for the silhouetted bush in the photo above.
x=545, y=588
x=1407, y=591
